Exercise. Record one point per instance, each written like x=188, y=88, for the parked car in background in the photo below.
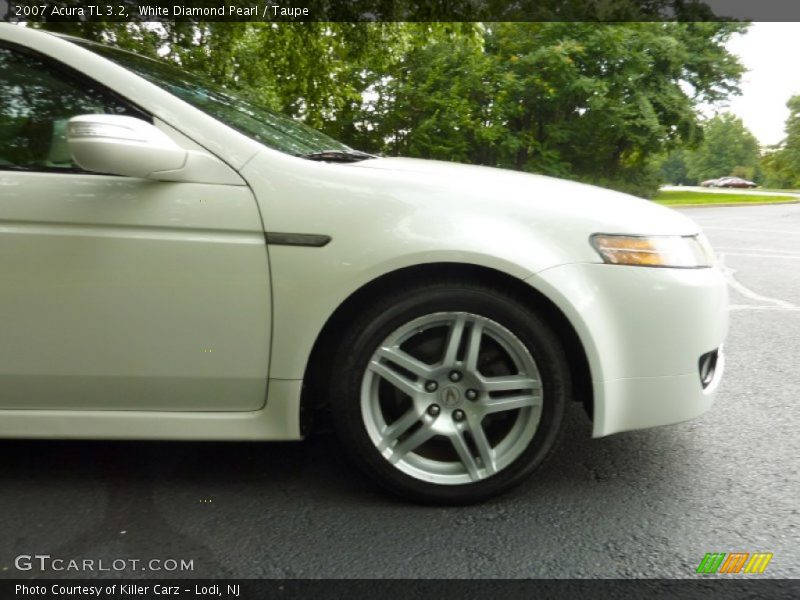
x=735, y=182
x=728, y=182
x=178, y=263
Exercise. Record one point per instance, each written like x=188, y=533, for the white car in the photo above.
x=179, y=264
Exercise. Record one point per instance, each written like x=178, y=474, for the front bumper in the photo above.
x=644, y=331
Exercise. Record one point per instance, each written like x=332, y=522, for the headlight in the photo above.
x=685, y=252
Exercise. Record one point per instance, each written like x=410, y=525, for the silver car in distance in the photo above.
x=177, y=263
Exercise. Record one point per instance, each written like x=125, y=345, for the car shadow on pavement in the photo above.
x=315, y=466
x=204, y=500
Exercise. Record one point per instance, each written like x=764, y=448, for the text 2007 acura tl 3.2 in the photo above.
x=179, y=264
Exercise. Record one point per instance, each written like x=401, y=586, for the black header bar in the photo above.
x=399, y=10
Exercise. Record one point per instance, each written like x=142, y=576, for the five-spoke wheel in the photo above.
x=449, y=392
x=482, y=397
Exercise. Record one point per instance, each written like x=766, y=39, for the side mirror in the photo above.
x=120, y=145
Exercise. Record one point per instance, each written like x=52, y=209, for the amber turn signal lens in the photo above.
x=685, y=252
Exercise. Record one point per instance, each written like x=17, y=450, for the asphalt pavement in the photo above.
x=641, y=504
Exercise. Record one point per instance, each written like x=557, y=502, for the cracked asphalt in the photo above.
x=641, y=504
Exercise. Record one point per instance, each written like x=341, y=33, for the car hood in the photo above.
x=536, y=199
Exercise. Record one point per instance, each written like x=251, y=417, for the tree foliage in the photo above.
x=728, y=149
x=673, y=168
x=782, y=164
x=590, y=101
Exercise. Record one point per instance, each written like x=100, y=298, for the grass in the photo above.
x=684, y=198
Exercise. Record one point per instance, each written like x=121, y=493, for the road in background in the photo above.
x=641, y=504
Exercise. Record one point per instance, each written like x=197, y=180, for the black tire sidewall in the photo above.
x=384, y=317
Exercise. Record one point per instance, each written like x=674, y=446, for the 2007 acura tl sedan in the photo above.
x=177, y=263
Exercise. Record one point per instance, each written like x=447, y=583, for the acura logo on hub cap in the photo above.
x=451, y=396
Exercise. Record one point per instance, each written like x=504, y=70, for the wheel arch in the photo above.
x=318, y=367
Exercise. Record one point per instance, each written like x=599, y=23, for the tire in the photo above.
x=438, y=422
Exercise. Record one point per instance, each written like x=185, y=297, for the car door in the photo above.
x=119, y=293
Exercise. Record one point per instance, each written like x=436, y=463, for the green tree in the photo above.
x=673, y=168
x=782, y=163
x=435, y=100
x=587, y=101
x=728, y=148
x=311, y=71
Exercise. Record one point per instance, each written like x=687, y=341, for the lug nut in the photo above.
x=458, y=415
x=431, y=386
x=434, y=410
x=455, y=376
x=471, y=394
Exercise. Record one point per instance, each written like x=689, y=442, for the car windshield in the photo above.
x=262, y=124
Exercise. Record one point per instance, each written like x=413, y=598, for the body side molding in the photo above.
x=312, y=240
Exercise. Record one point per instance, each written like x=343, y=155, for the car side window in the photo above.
x=37, y=98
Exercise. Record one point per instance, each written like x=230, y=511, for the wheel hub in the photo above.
x=451, y=396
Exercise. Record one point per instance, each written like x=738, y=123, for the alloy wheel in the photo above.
x=451, y=398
